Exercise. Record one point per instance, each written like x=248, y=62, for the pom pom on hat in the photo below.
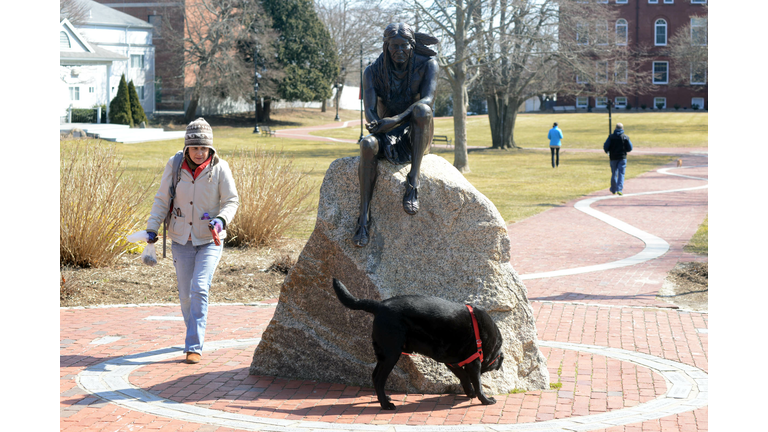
x=199, y=134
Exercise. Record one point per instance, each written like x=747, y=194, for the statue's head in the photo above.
x=399, y=42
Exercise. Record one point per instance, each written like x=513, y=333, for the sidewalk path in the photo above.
x=623, y=363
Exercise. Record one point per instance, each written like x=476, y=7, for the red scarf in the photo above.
x=199, y=168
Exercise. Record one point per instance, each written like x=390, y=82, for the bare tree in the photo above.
x=688, y=52
x=451, y=22
x=530, y=48
x=215, y=36
x=354, y=28
x=75, y=11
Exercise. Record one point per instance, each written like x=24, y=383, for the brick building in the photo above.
x=169, y=85
x=648, y=25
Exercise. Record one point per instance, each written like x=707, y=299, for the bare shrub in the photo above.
x=273, y=196
x=98, y=204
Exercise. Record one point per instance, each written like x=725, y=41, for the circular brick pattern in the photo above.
x=686, y=390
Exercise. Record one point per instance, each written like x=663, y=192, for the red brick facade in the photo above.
x=641, y=17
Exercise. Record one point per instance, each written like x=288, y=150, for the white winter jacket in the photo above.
x=213, y=192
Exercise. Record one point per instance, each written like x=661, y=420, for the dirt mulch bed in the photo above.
x=687, y=286
x=244, y=275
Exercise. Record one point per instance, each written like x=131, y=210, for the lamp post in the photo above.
x=338, y=87
x=255, y=92
x=609, y=105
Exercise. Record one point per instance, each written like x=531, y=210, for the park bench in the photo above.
x=441, y=138
x=266, y=131
x=570, y=108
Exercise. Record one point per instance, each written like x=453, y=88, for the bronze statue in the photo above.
x=399, y=97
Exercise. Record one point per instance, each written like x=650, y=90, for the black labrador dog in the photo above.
x=442, y=330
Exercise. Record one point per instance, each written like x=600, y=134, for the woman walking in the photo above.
x=198, y=195
x=555, y=138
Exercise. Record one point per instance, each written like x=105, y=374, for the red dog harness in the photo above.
x=479, y=353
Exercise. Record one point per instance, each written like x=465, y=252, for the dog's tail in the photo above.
x=348, y=300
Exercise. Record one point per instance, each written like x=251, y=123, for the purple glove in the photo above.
x=216, y=224
x=151, y=237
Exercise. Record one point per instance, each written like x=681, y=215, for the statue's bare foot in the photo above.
x=362, y=234
x=411, y=199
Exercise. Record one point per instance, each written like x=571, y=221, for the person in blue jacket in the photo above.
x=617, y=146
x=555, y=136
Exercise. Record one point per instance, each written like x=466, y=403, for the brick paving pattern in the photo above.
x=613, y=308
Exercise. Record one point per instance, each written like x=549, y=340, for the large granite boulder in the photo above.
x=456, y=247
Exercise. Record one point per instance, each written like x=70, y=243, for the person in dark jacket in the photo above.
x=617, y=146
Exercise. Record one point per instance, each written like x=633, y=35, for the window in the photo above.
x=660, y=102
x=74, y=93
x=621, y=32
x=140, y=91
x=581, y=80
x=699, y=1
x=699, y=31
x=699, y=73
x=620, y=102
x=602, y=71
x=620, y=72
x=64, y=41
x=661, y=33
x=91, y=89
x=601, y=102
x=660, y=72
x=137, y=61
x=601, y=32
x=653, y=1
x=699, y=102
x=621, y=1
x=582, y=101
x=582, y=34
x=602, y=1
x=157, y=24
x=669, y=1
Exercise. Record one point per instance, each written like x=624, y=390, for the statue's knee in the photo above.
x=369, y=145
x=422, y=112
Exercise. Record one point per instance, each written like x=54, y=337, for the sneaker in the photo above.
x=192, y=358
x=619, y=193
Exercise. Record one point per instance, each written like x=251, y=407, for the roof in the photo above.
x=100, y=55
x=105, y=15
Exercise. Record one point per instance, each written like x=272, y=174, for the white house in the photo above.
x=94, y=55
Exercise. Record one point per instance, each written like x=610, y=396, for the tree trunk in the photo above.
x=323, y=107
x=265, y=110
x=502, y=114
x=460, y=159
x=189, y=114
x=494, y=109
x=509, y=125
x=259, y=111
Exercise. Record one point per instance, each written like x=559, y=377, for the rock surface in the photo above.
x=456, y=247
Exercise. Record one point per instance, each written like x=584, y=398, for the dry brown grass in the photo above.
x=273, y=196
x=98, y=204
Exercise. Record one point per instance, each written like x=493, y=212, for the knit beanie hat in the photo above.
x=199, y=134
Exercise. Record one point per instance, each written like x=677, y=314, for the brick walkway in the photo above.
x=607, y=316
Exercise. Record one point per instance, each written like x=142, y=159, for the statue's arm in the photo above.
x=369, y=97
x=427, y=90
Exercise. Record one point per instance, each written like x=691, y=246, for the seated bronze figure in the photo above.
x=399, y=95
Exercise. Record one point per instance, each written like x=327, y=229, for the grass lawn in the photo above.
x=581, y=130
x=520, y=183
x=699, y=244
